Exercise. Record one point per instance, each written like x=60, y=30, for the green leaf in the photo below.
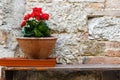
x=27, y=32
x=32, y=23
x=43, y=23
x=42, y=28
x=37, y=33
x=47, y=33
x=36, y=28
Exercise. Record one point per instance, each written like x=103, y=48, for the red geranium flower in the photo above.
x=23, y=23
x=39, y=10
x=45, y=16
x=35, y=14
x=35, y=24
x=26, y=17
x=38, y=17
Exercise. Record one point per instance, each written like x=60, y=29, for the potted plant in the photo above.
x=37, y=42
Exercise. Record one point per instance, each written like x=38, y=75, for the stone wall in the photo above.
x=87, y=30
x=11, y=14
x=84, y=27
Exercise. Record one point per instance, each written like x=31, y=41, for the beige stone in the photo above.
x=3, y=37
x=113, y=53
x=86, y=0
x=88, y=48
x=112, y=45
x=34, y=0
x=103, y=12
x=113, y=4
x=102, y=60
x=96, y=6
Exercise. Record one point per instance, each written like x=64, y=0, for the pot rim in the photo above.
x=52, y=37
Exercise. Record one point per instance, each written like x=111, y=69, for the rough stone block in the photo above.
x=113, y=53
x=3, y=37
x=73, y=47
x=113, y=4
x=1, y=11
x=0, y=22
x=86, y=0
x=93, y=48
x=102, y=60
x=49, y=1
x=104, y=28
x=34, y=0
x=103, y=12
x=68, y=44
x=103, y=48
x=94, y=6
x=112, y=48
x=13, y=14
x=112, y=45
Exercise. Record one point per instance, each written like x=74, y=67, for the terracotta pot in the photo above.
x=37, y=48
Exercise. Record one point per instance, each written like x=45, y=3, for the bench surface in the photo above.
x=80, y=67
x=108, y=71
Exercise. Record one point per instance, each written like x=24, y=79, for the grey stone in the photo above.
x=67, y=48
x=13, y=11
x=104, y=28
x=69, y=18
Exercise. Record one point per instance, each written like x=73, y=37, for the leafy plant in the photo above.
x=35, y=25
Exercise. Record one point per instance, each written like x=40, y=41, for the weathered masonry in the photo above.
x=88, y=32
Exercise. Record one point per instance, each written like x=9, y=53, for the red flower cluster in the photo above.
x=37, y=14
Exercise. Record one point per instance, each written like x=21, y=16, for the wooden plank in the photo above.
x=8, y=75
x=21, y=62
x=79, y=67
x=110, y=75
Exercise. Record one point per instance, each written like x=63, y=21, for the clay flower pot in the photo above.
x=37, y=48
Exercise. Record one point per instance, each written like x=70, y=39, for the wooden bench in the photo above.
x=108, y=69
